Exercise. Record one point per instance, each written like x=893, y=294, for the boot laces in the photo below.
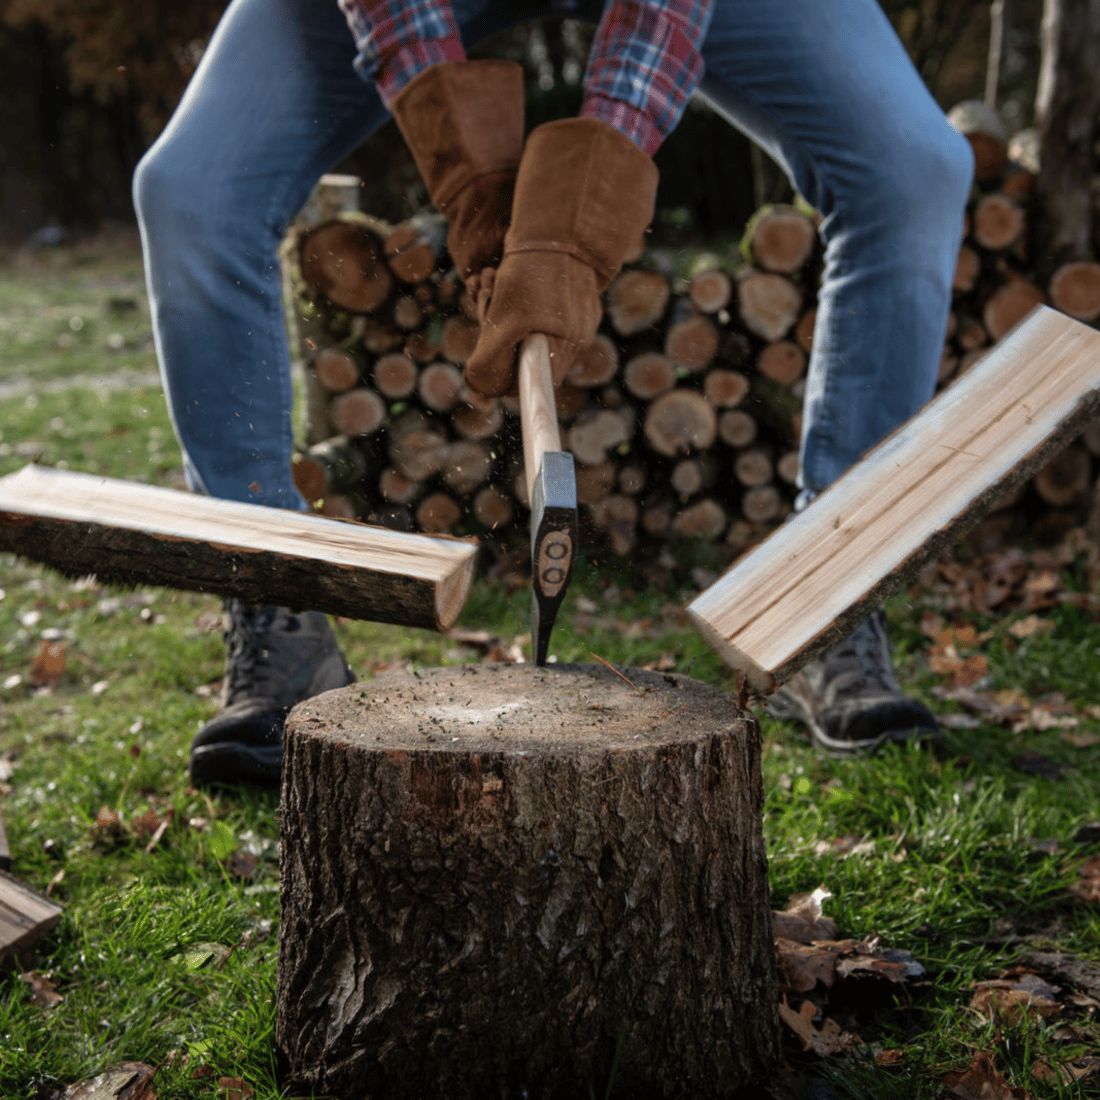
x=246, y=648
x=861, y=662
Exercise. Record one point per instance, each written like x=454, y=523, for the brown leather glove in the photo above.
x=584, y=196
x=463, y=123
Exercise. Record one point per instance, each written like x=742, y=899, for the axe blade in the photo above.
x=554, y=541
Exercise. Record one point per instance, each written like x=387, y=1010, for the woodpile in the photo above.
x=684, y=416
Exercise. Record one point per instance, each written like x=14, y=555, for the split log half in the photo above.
x=769, y=304
x=547, y=866
x=1075, y=289
x=637, y=300
x=780, y=238
x=134, y=534
x=680, y=422
x=907, y=500
x=343, y=261
x=357, y=412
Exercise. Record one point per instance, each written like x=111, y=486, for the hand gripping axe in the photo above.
x=551, y=489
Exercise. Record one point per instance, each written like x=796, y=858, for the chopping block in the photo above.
x=500, y=880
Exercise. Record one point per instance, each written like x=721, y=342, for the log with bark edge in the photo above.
x=704, y=519
x=412, y=249
x=459, y=339
x=136, y=534
x=440, y=387
x=595, y=482
x=438, y=513
x=357, y=412
x=762, y=504
x=725, y=388
x=692, y=341
x=1008, y=305
x=710, y=291
x=561, y=950
x=754, y=467
x=592, y=437
x=636, y=300
x=997, y=221
x=905, y=501
x=737, y=428
x=492, y=508
x=782, y=361
x=780, y=238
x=466, y=466
x=407, y=313
x=343, y=261
x=804, y=330
x=337, y=370
x=595, y=365
x=394, y=376
x=691, y=476
x=649, y=375
x=477, y=421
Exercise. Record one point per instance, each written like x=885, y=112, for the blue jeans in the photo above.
x=823, y=85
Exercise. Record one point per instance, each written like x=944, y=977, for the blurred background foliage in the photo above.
x=86, y=86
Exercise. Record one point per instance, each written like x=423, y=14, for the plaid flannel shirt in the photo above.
x=644, y=66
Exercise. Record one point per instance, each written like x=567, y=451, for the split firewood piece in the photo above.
x=736, y=428
x=336, y=370
x=783, y=361
x=137, y=534
x=357, y=412
x=1075, y=289
x=818, y=575
x=984, y=127
x=967, y=269
x=769, y=303
x=593, y=436
x=780, y=238
x=710, y=291
x=754, y=467
x=459, y=339
x=649, y=375
x=692, y=341
x=343, y=261
x=397, y=488
x=25, y=915
x=616, y=517
x=492, y=508
x=480, y=421
x=394, y=376
x=594, y=482
x=762, y=504
x=690, y=476
x=804, y=330
x=440, y=386
x=438, y=513
x=413, y=248
x=997, y=222
x=466, y=466
x=636, y=300
x=1066, y=479
x=595, y=365
x=408, y=313
x=705, y=519
x=1008, y=305
x=725, y=388
x=680, y=422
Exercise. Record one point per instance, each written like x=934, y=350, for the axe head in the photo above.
x=553, y=544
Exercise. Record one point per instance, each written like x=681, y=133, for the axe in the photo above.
x=551, y=489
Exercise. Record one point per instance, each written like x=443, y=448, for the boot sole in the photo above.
x=231, y=764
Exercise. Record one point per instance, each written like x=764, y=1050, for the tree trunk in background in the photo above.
x=1066, y=109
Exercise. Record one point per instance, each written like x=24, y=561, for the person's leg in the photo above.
x=828, y=91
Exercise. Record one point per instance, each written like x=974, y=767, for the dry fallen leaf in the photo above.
x=1065, y=1073
x=1010, y=1002
x=982, y=1081
x=829, y=1039
x=1029, y=626
x=803, y=920
x=48, y=665
x=125, y=1081
x=1087, y=886
x=243, y=864
x=43, y=991
x=233, y=1088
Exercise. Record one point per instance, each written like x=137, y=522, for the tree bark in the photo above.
x=1075, y=289
x=482, y=899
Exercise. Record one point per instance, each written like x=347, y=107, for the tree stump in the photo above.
x=498, y=879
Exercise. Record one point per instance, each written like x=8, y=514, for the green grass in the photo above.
x=173, y=949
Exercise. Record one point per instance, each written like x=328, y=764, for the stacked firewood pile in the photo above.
x=683, y=418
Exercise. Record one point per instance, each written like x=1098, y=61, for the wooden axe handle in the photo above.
x=538, y=409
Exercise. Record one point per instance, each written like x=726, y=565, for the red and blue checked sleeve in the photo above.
x=645, y=65
x=397, y=39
